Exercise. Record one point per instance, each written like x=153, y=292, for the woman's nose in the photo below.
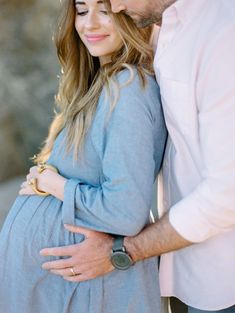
x=92, y=21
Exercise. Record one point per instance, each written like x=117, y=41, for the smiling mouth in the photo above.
x=96, y=38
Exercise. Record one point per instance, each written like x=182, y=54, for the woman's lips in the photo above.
x=95, y=38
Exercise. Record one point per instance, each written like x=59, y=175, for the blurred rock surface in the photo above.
x=8, y=193
x=28, y=83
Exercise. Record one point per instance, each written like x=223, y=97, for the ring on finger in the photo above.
x=31, y=181
x=72, y=271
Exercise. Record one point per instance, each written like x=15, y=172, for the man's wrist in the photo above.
x=132, y=249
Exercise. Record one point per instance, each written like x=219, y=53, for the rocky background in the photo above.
x=28, y=83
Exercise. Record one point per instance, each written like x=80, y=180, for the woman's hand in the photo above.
x=25, y=188
x=47, y=181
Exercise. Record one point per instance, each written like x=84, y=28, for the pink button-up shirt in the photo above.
x=195, y=68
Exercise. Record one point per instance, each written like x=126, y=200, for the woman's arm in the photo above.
x=121, y=203
x=91, y=258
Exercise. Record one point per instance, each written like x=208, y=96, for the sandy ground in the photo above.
x=8, y=193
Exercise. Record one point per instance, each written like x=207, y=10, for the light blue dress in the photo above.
x=109, y=190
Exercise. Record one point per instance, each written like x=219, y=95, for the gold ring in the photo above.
x=33, y=183
x=43, y=166
x=30, y=182
x=72, y=271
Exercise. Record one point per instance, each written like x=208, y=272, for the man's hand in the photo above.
x=86, y=260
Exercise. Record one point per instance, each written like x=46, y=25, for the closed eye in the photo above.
x=82, y=13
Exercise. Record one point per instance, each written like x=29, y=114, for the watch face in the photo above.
x=121, y=260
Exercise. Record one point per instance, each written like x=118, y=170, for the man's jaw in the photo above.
x=141, y=20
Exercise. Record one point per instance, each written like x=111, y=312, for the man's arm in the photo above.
x=154, y=240
x=91, y=258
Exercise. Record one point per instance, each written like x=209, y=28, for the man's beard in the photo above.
x=144, y=21
x=151, y=16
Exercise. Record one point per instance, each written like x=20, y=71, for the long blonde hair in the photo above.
x=82, y=78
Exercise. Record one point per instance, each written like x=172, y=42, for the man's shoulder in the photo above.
x=213, y=25
x=220, y=13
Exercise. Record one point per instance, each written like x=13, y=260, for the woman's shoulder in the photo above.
x=130, y=96
x=131, y=77
x=138, y=85
x=132, y=88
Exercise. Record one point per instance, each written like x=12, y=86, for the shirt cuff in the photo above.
x=190, y=221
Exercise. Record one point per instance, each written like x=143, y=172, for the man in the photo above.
x=195, y=236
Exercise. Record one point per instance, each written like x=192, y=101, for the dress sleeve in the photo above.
x=209, y=209
x=121, y=203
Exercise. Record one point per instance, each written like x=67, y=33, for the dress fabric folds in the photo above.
x=108, y=189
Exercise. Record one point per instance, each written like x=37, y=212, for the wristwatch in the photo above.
x=120, y=259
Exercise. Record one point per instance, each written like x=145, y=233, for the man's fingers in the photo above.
x=86, y=274
x=77, y=278
x=65, y=272
x=86, y=260
x=58, y=264
x=81, y=230
x=59, y=251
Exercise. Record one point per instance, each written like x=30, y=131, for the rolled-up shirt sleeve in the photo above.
x=121, y=203
x=210, y=208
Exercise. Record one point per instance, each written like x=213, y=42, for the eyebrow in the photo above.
x=83, y=3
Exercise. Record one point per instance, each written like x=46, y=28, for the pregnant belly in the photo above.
x=34, y=223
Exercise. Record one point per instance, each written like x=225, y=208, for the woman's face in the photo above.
x=96, y=29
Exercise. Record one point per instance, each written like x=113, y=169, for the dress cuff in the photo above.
x=69, y=203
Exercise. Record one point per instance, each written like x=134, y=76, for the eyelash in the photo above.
x=85, y=12
x=81, y=13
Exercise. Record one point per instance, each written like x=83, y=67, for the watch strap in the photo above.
x=118, y=243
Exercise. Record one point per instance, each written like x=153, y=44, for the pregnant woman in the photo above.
x=97, y=169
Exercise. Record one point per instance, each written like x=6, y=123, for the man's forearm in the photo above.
x=91, y=258
x=155, y=240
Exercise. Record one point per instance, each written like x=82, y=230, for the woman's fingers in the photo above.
x=25, y=189
x=33, y=170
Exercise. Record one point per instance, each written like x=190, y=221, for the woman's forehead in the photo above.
x=87, y=2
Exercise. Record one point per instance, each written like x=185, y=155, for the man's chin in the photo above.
x=141, y=22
